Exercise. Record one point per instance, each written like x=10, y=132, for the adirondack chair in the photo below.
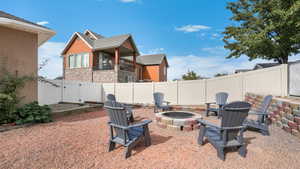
x=123, y=133
x=221, y=100
x=159, y=103
x=128, y=108
x=261, y=123
x=230, y=133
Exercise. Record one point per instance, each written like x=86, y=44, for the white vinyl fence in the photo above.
x=265, y=81
x=294, y=79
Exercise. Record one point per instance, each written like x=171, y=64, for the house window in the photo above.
x=72, y=61
x=85, y=60
x=80, y=60
x=105, y=61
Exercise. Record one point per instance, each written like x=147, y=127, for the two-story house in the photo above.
x=92, y=57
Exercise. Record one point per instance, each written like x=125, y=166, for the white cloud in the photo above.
x=51, y=51
x=214, y=61
x=217, y=50
x=207, y=66
x=42, y=23
x=128, y=1
x=153, y=51
x=192, y=28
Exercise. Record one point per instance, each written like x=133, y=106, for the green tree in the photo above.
x=190, y=75
x=220, y=74
x=266, y=29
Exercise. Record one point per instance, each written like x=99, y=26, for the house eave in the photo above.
x=44, y=34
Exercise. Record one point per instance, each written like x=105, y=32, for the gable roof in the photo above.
x=94, y=34
x=112, y=42
x=101, y=43
x=84, y=38
x=267, y=65
x=154, y=59
x=18, y=23
x=264, y=65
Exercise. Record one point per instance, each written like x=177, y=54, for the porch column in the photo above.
x=134, y=60
x=117, y=62
x=117, y=59
x=134, y=66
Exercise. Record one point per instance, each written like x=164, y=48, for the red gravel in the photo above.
x=80, y=141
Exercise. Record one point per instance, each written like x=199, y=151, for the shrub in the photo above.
x=33, y=113
x=9, y=99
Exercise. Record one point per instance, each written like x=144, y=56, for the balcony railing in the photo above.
x=127, y=67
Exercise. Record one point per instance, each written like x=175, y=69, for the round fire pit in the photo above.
x=178, y=120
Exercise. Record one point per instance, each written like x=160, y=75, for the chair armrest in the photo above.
x=256, y=113
x=209, y=103
x=127, y=105
x=167, y=102
x=234, y=128
x=117, y=126
x=205, y=123
x=143, y=123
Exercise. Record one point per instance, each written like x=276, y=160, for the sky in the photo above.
x=189, y=32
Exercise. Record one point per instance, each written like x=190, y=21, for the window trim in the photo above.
x=75, y=59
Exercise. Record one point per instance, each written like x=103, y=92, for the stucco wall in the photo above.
x=18, y=55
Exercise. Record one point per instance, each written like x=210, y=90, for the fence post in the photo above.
x=243, y=87
x=284, y=80
x=132, y=86
x=62, y=90
x=205, y=93
x=177, y=94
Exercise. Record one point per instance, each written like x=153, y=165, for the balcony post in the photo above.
x=134, y=66
x=117, y=59
x=117, y=62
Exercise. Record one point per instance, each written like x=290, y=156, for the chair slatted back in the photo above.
x=221, y=98
x=158, y=99
x=264, y=108
x=117, y=115
x=111, y=97
x=233, y=115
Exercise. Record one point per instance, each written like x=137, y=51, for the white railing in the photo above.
x=265, y=81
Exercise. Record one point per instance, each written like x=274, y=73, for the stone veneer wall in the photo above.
x=100, y=76
x=284, y=113
x=78, y=74
x=104, y=76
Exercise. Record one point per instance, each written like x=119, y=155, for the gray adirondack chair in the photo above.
x=261, y=123
x=128, y=108
x=230, y=133
x=123, y=133
x=159, y=103
x=221, y=100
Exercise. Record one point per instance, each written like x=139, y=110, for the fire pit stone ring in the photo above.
x=178, y=120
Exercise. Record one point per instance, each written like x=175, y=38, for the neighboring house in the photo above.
x=92, y=57
x=19, y=44
x=262, y=66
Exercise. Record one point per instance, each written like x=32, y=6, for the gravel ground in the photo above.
x=80, y=141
